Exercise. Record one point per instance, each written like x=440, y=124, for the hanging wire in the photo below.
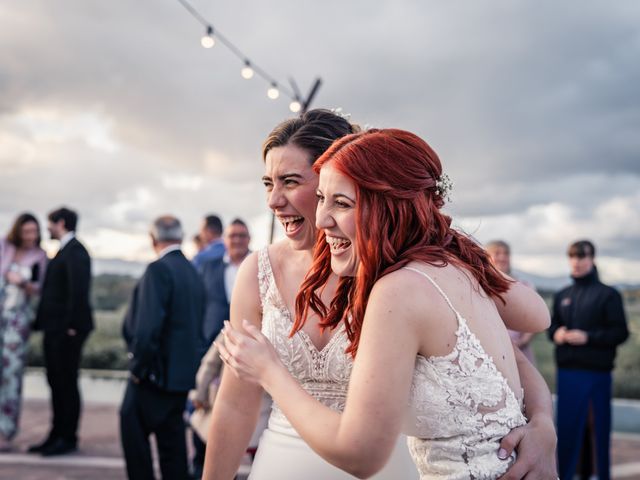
x=215, y=33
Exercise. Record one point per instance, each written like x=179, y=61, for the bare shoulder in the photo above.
x=405, y=287
x=414, y=296
x=403, y=296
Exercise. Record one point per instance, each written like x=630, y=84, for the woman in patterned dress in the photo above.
x=22, y=265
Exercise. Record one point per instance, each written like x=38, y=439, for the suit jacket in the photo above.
x=64, y=301
x=163, y=326
x=217, y=303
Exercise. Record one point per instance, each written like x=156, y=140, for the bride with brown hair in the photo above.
x=422, y=308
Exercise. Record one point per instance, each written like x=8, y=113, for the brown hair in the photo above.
x=313, y=132
x=15, y=234
x=581, y=249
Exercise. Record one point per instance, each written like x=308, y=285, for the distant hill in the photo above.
x=548, y=284
x=115, y=266
x=553, y=284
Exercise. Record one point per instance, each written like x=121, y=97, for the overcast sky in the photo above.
x=114, y=108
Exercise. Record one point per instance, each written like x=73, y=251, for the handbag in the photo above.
x=200, y=419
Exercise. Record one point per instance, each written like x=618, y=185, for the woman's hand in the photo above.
x=14, y=278
x=249, y=354
x=536, y=446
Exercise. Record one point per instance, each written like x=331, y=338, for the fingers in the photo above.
x=223, y=352
x=230, y=334
x=510, y=442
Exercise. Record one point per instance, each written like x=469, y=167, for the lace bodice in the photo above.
x=461, y=406
x=322, y=373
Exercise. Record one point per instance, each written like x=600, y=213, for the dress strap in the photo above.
x=444, y=295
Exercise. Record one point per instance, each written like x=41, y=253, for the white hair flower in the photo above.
x=444, y=185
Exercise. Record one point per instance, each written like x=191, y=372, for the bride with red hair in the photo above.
x=422, y=307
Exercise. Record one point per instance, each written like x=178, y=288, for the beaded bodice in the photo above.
x=461, y=406
x=322, y=373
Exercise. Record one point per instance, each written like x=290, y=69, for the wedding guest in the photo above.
x=197, y=243
x=163, y=332
x=22, y=269
x=66, y=316
x=500, y=253
x=211, y=240
x=587, y=325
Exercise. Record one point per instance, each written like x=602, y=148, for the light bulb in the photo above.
x=295, y=106
x=273, y=92
x=247, y=71
x=207, y=40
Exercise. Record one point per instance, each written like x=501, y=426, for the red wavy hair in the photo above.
x=398, y=221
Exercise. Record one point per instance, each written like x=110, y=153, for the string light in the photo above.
x=273, y=92
x=250, y=69
x=295, y=106
x=247, y=71
x=207, y=39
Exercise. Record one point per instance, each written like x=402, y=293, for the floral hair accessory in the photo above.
x=444, y=185
x=338, y=111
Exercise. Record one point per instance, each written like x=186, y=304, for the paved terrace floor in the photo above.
x=100, y=457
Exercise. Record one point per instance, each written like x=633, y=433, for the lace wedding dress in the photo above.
x=282, y=454
x=461, y=407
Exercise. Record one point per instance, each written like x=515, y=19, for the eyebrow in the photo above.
x=284, y=176
x=338, y=195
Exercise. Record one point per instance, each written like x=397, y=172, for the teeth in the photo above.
x=287, y=220
x=337, y=242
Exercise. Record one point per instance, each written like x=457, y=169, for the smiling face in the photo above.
x=236, y=240
x=291, y=193
x=336, y=216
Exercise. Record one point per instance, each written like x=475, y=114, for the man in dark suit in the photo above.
x=219, y=276
x=65, y=315
x=163, y=331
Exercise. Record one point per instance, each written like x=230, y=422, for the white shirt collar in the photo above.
x=169, y=249
x=66, y=238
x=227, y=259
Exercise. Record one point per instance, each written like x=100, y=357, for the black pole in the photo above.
x=312, y=93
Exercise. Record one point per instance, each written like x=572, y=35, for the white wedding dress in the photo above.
x=282, y=454
x=461, y=407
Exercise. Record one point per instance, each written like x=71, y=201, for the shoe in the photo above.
x=5, y=445
x=39, y=447
x=59, y=447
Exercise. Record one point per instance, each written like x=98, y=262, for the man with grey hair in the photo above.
x=163, y=331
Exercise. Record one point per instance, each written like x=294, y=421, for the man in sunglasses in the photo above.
x=587, y=325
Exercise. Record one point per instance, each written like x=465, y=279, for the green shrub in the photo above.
x=104, y=349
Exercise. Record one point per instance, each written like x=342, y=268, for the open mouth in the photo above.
x=292, y=224
x=337, y=244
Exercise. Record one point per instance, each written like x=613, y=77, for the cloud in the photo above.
x=115, y=109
